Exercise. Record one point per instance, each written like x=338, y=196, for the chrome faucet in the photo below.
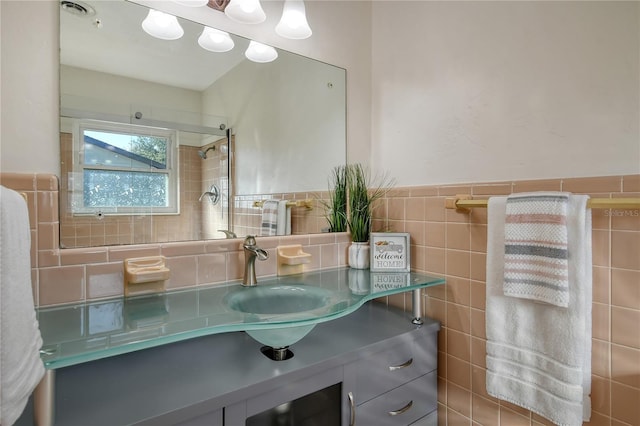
x=251, y=252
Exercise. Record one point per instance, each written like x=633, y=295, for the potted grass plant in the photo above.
x=363, y=193
x=336, y=206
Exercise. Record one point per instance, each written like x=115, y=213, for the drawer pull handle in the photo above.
x=352, y=406
x=398, y=367
x=402, y=410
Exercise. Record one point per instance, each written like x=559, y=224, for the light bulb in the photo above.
x=245, y=11
x=258, y=52
x=162, y=25
x=215, y=40
x=293, y=23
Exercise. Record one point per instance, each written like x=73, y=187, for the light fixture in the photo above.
x=192, y=3
x=258, y=52
x=245, y=11
x=293, y=23
x=162, y=25
x=215, y=40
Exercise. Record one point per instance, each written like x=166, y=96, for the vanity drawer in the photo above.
x=401, y=406
x=386, y=370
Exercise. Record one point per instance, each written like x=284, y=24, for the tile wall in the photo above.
x=443, y=242
x=453, y=244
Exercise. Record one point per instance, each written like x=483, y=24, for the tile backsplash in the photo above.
x=443, y=242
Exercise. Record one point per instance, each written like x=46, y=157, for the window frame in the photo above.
x=76, y=179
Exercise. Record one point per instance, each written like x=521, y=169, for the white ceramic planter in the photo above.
x=359, y=255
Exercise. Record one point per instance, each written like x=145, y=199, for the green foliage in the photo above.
x=363, y=193
x=336, y=207
x=153, y=148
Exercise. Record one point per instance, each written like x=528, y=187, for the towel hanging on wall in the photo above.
x=20, y=365
x=539, y=354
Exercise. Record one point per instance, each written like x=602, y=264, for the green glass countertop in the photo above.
x=78, y=333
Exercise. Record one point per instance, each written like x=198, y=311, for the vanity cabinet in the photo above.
x=372, y=364
x=396, y=386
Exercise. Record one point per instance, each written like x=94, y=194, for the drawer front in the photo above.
x=391, y=368
x=401, y=406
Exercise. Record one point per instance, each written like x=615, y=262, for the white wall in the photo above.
x=489, y=91
x=284, y=117
x=29, y=140
x=461, y=91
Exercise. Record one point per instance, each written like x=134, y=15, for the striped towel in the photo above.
x=269, y=218
x=536, y=255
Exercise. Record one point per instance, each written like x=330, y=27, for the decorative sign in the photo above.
x=381, y=281
x=390, y=252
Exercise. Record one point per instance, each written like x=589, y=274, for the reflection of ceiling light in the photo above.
x=245, y=11
x=258, y=52
x=293, y=23
x=162, y=25
x=192, y=3
x=215, y=40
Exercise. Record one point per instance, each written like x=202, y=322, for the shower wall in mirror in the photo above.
x=210, y=135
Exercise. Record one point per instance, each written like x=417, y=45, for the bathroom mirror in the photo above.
x=243, y=130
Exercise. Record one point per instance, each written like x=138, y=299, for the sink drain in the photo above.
x=277, y=354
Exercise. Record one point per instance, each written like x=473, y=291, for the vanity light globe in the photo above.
x=215, y=40
x=162, y=25
x=258, y=52
x=245, y=11
x=293, y=23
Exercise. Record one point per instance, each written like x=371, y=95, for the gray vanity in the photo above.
x=361, y=362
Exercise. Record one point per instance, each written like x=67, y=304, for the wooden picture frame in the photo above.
x=390, y=251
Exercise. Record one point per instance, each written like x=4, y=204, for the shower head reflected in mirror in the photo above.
x=203, y=154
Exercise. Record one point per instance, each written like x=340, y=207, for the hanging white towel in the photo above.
x=269, y=218
x=284, y=218
x=538, y=354
x=536, y=255
x=20, y=365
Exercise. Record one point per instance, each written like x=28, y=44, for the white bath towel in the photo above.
x=269, y=218
x=20, y=365
x=539, y=355
x=536, y=255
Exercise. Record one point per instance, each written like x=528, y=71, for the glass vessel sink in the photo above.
x=278, y=312
x=279, y=300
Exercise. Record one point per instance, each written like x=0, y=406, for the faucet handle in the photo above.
x=250, y=240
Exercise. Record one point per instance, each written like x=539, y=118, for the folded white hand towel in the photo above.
x=538, y=354
x=20, y=365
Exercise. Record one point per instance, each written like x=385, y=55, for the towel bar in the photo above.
x=299, y=203
x=464, y=203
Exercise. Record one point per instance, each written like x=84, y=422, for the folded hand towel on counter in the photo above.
x=20, y=365
x=269, y=218
x=536, y=247
x=539, y=354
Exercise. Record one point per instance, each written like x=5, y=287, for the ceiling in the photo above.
x=179, y=63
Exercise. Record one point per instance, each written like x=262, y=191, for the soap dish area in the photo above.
x=144, y=275
x=291, y=259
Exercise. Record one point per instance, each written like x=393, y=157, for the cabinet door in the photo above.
x=237, y=414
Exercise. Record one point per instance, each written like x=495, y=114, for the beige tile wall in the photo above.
x=443, y=242
x=247, y=218
x=453, y=244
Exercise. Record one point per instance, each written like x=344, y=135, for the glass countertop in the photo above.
x=78, y=333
